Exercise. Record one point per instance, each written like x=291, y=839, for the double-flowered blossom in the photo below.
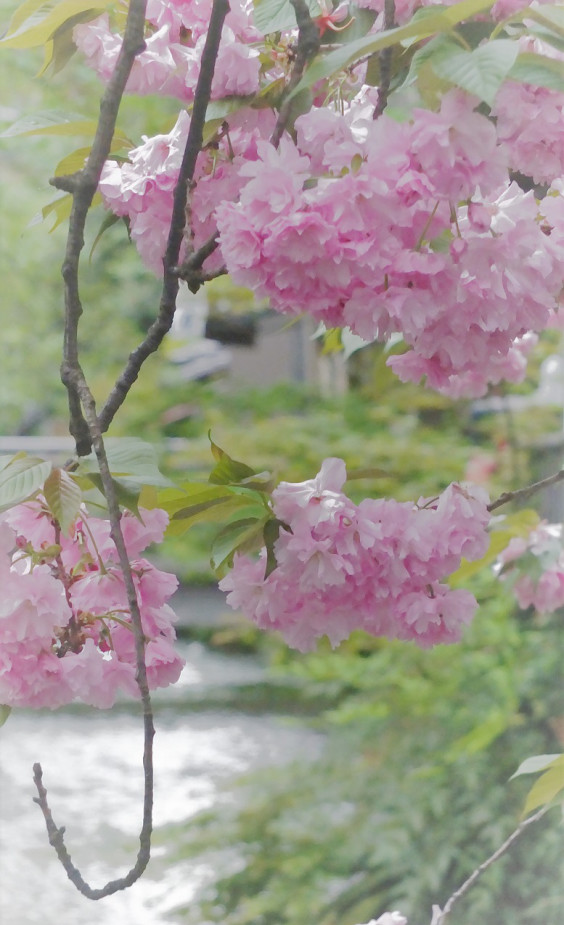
x=535, y=568
x=377, y=566
x=65, y=625
x=379, y=243
x=174, y=41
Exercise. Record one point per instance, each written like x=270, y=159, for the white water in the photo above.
x=92, y=770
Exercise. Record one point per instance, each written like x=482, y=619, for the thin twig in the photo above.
x=385, y=59
x=191, y=268
x=83, y=186
x=439, y=915
x=163, y=322
x=307, y=47
x=522, y=494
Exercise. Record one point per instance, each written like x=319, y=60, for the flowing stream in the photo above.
x=92, y=770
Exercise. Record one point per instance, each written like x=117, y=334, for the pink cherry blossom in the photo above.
x=534, y=567
x=376, y=566
x=65, y=625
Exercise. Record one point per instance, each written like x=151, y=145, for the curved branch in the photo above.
x=83, y=186
x=163, y=322
x=522, y=494
x=307, y=48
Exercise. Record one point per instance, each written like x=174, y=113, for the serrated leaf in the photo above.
x=546, y=788
x=539, y=71
x=535, y=764
x=278, y=15
x=60, y=210
x=63, y=496
x=481, y=71
x=35, y=24
x=21, y=479
x=4, y=713
x=418, y=28
x=227, y=471
x=241, y=536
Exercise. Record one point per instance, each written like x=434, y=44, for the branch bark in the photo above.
x=308, y=46
x=163, y=322
x=385, y=61
x=522, y=494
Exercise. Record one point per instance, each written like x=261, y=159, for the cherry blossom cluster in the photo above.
x=377, y=566
x=376, y=244
x=384, y=227
x=535, y=568
x=170, y=63
x=65, y=625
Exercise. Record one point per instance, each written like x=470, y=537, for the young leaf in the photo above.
x=127, y=491
x=22, y=478
x=418, y=28
x=63, y=496
x=547, y=787
x=35, y=23
x=481, y=71
x=278, y=15
x=534, y=764
x=539, y=71
x=227, y=471
x=242, y=536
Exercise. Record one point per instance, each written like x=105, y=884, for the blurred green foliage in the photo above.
x=411, y=793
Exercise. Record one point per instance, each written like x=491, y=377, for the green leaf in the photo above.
x=35, y=23
x=278, y=15
x=534, y=764
x=227, y=471
x=129, y=457
x=539, y=71
x=211, y=505
x=4, y=713
x=63, y=496
x=127, y=491
x=21, y=479
x=242, y=536
x=418, y=28
x=547, y=787
x=109, y=220
x=56, y=122
x=271, y=532
x=72, y=162
x=481, y=71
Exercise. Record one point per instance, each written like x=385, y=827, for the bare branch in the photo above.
x=307, y=48
x=83, y=186
x=385, y=60
x=439, y=916
x=194, y=142
x=522, y=494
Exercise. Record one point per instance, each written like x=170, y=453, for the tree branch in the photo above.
x=308, y=46
x=439, y=915
x=83, y=186
x=56, y=835
x=522, y=494
x=163, y=322
x=385, y=61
